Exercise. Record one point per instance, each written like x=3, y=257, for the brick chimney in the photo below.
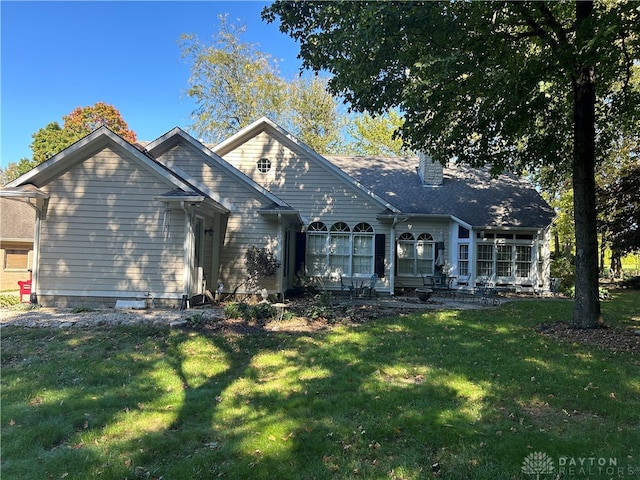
x=430, y=172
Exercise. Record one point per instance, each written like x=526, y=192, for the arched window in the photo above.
x=362, y=261
x=424, y=254
x=317, y=233
x=415, y=255
x=406, y=254
x=340, y=249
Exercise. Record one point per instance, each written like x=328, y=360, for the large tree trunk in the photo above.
x=586, y=308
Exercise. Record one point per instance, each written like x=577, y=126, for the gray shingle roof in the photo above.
x=16, y=220
x=467, y=193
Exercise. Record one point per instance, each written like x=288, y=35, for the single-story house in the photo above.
x=173, y=218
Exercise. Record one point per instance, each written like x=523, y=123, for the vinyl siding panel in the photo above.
x=304, y=183
x=245, y=226
x=105, y=233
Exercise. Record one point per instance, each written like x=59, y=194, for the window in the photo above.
x=463, y=260
x=340, y=249
x=362, y=250
x=504, y=260
x=424, y=254
x=415, y=256
x=406, y=254
x=264, y=165
x=523, y=260
x=507, y=256
x=484, y=266
x=15, y=259
x=317, y=249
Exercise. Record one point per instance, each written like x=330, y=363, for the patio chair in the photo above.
x=344, y=287
x=25, y=289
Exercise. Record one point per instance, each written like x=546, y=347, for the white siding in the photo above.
x=105, y=235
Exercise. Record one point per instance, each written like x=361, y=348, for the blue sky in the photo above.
x=56, y=56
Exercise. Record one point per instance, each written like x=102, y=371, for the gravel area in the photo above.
x=66, y=317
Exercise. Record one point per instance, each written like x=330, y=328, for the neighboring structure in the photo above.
x=174, y=218
x=17, y=220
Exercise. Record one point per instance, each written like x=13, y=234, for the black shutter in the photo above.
x=301, y=248
x=379, y=254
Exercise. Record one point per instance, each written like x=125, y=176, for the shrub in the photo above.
x=564, y=269
x=9, y=300
x=249, y=312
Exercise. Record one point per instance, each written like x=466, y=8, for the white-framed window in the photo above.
x=504, y=260
x=406, y=249
x=317, y=235
x=484, y=263
x=339, y=250
x=506, y=257
x=463, y=260
x=523, y=260
x=425, y=252
x=415, y=255
x=362, y=259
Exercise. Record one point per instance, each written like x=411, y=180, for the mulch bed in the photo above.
x=608, y=338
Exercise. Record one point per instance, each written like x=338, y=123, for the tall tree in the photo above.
x=312, y=115
x=53, y=138
x=507, y=84
x=234, y=83
x=80, y=122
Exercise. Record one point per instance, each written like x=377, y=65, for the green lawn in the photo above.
x=446, y=395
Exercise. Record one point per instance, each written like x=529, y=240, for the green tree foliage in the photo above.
x=53, y=138
x=79, y=123
x=234, y=84
x=512, y=85
x=376, y=135
x=620, y=212
x=312, y=115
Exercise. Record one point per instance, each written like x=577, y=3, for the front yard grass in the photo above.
x=442, y=395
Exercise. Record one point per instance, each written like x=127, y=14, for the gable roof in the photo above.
x=176, y=135
x=468, y=194
x=284, y=137
x=97, y=140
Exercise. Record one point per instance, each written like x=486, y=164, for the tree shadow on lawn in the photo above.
x=433, y=395
x=407, y=393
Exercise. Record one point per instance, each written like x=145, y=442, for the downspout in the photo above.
x=392, y=255
x=280, y=243
x=392, y=258
x=186, y=268
x=35, y=260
